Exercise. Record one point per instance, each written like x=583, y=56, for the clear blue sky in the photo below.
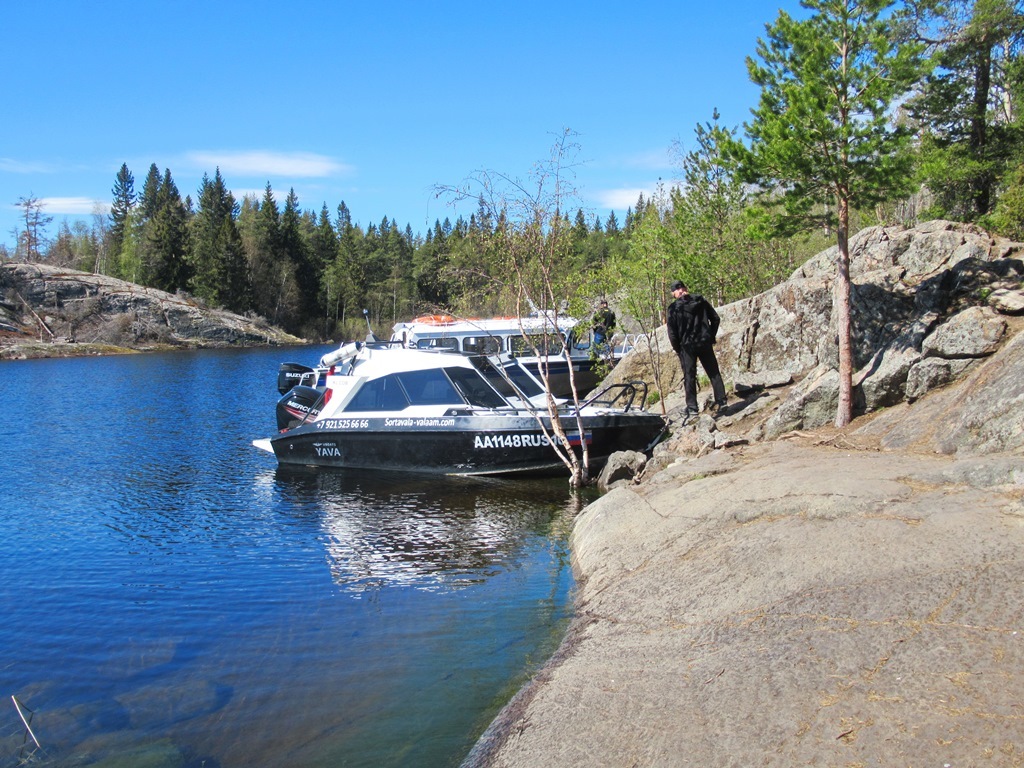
x=373, y=104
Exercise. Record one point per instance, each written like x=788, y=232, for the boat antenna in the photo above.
x=370, y=336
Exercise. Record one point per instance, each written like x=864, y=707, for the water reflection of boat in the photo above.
x=396, y=531
x=378, y=405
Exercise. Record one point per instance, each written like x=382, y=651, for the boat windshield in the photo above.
x=510, y=380
x=475, y=388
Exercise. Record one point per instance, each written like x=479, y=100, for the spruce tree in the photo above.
x=149, y=200
x=121, y=207
x=275, y=294
x=296, y=250
x=167, y=239
x=220, y=274
x=324, y=250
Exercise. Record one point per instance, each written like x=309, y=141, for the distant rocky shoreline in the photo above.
x=48, y=311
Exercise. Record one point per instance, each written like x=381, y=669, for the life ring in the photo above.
x=434, y=319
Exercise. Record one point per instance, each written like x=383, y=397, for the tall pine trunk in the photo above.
x=841, y=305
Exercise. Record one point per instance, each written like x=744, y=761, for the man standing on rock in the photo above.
x=603, y=322
x=692, y=330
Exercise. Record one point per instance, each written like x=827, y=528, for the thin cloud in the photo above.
x=10, y=165
x=72, y=206
x=264, y=163
x=652, y=160
x=621, y=199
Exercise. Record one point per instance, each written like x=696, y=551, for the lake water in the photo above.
x=172, y=598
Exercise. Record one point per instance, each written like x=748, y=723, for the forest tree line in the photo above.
x=954, y=150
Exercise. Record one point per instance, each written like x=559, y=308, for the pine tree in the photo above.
x=965, y=106
x=344, y=275
x=821, y=129
x=32, y=239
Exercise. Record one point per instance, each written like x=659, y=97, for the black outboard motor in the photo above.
x=298, y=404
x=289, y=375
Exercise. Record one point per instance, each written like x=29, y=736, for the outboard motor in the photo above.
x=289, y=375
x=298, y=404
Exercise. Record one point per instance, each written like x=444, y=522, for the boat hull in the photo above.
x=460, y=445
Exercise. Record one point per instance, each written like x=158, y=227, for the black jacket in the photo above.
x=692, y=322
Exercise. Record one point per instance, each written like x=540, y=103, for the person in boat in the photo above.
x=692, y=331
x=604, y=323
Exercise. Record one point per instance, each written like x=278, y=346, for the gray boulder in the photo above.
x=749, y=382
x=811, y=403
x=982, y=414
x=1006, y=301
x=931, y=373
x=621, y=469
x=974, y=332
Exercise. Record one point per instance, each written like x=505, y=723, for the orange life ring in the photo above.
x=434, y=319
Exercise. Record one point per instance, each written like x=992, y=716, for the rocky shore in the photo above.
x=769, y=590
x=48, y=311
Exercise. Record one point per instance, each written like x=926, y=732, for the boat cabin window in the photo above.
x=482, y=345
x=474, y=388
x=443, y=343
x=397, y=391
x=429, y=387
x=383, y=394
x=547, y=344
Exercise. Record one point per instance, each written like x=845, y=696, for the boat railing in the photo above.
x=623, y=396
x=629, y=343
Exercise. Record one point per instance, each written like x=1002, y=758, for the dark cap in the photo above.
x=676, y=284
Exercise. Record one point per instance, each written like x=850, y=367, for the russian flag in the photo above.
x=574, y=438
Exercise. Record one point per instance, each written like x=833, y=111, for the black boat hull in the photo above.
x=460, y=445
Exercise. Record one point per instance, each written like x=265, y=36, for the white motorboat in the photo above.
x=381, y=405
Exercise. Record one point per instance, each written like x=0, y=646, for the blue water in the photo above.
x=171, y=597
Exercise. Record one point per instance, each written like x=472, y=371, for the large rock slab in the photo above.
x=796, y=605
x=983, y=414
x=936, y=290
